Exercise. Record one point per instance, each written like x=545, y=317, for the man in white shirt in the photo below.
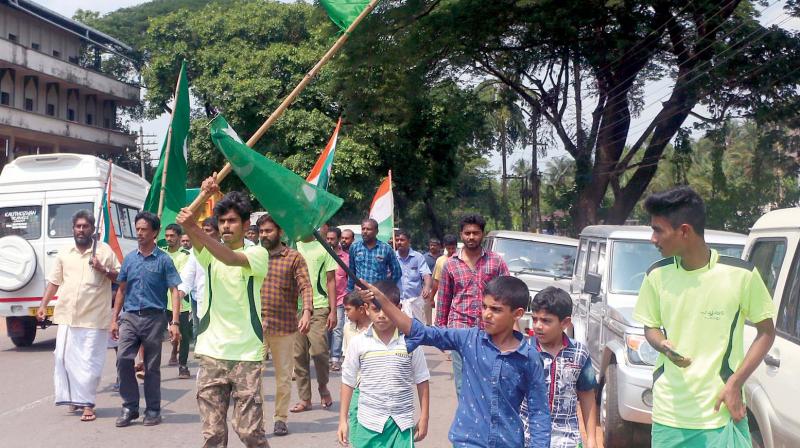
x=193, y=276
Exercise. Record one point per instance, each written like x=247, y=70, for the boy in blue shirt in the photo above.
x=569, y=374
x=501, y=369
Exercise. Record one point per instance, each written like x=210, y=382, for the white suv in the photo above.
x=773, y=390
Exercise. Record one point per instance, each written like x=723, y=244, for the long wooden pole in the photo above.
x=168, y=148
x=221, y=174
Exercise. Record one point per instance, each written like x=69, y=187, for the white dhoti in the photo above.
x=414, y=308
x=80, y=356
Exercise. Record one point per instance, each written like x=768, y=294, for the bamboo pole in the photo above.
x=203, y=196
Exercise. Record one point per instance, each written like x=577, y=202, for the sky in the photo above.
x=655, y=92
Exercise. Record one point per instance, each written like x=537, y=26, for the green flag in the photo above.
x=344, y=12
x=297, y=206
x=177, y=136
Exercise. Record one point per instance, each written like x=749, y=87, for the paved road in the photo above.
x=29, y=419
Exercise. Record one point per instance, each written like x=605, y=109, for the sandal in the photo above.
x=300, y=407
x=326, y=400
x=335, y=367
x=88, y=415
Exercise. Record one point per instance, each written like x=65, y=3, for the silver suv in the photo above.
x=612, y=262
x=537, y=259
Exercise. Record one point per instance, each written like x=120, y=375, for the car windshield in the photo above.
x=629, y=262
x=631, y=259
x=536, y=257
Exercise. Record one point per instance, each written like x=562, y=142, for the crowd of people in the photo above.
x=245, y=302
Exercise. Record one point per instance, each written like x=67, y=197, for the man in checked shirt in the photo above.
x=287, y=279
x=463, y=279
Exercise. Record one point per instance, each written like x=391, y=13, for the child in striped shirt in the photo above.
x=378, y=363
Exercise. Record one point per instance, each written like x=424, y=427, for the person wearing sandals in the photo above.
x=340, y=241
x=83, y=281
x=230, y=344
x=287, y=279
x=314, y=344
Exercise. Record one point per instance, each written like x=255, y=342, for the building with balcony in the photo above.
x=53, y=97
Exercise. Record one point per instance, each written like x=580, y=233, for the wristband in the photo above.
x=174, y=323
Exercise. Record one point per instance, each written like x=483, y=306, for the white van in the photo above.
x=772, y=391
x=38, y=196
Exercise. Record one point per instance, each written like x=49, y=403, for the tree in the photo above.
x=564, y=58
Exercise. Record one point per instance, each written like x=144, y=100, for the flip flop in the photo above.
x=326, y=400
x=300, y=407
x=90, y=417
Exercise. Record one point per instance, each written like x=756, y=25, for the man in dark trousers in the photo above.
x=144, y=278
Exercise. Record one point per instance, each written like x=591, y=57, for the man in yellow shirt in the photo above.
x=83, y=313
x=230, y=342
x=700, y=300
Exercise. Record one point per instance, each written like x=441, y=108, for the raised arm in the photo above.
x=201, y=240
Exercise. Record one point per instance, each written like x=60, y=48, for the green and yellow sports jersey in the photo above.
x=702, y=312
x=180, y=257
x=319, y=263
x=230, y=315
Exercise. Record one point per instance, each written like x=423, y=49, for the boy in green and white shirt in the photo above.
x=230, y=344
x=700, y=301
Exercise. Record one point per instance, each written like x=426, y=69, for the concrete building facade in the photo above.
x=53, y=97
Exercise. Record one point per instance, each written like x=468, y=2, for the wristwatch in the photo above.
x=174, y=323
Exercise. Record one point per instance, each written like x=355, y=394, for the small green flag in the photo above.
x=175, y=193
x=297, y=206
x=344, y=12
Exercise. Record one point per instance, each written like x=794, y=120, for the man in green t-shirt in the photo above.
x=179, y=256
x=230, y=345
x=314, y=344
x=700, y=300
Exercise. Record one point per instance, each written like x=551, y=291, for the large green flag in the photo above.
x=344, y=12
x=297, y=206
x=177, y=136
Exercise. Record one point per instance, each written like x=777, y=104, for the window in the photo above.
x=59, y=218
x=106, y=123
x=89, y=119
x=35, y=46
x=51, y=110
x=629, y=262
x=132, y=219
x=115, y=219
x=124, y=222
x=12, y=37
x=56, y=53
x=601, y=260
x=767, y=255
x=580, y=264
x=729, y=250
x=594, y=255
x=71, y=114
x=29, y=104
x=788, y=323
x=5, y=98
x=536, y=257
x=23, y=221
x=73, y=59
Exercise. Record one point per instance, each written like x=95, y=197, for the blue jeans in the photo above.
x=458, y=364
x=335, y=336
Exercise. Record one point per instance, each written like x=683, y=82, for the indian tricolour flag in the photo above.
x=321, y=173
x=382, y=209
x=106, y=223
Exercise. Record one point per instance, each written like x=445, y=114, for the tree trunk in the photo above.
x=436, y=224
x=536, y=216
x=504, y=179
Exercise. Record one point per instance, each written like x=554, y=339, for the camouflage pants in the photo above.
x=217, y=381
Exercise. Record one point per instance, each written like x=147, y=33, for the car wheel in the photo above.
x=24, y=330
x=616, y=431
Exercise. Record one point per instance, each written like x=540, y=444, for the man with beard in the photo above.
x=83, y=283
x=287, y=279
x=463, y=280
x=145, y=276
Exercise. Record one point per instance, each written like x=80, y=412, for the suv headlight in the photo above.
x=640, y=352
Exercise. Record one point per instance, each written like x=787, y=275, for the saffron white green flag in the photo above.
x=321, y=173
x=382, y=209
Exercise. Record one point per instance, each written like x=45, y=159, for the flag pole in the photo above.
x=223, y=173
x=168, y=148
x=100, y=211
x=342, y=264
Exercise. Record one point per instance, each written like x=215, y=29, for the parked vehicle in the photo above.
x=773, y=389
x=611, y=264
x=537, y=259
x=38, y=196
